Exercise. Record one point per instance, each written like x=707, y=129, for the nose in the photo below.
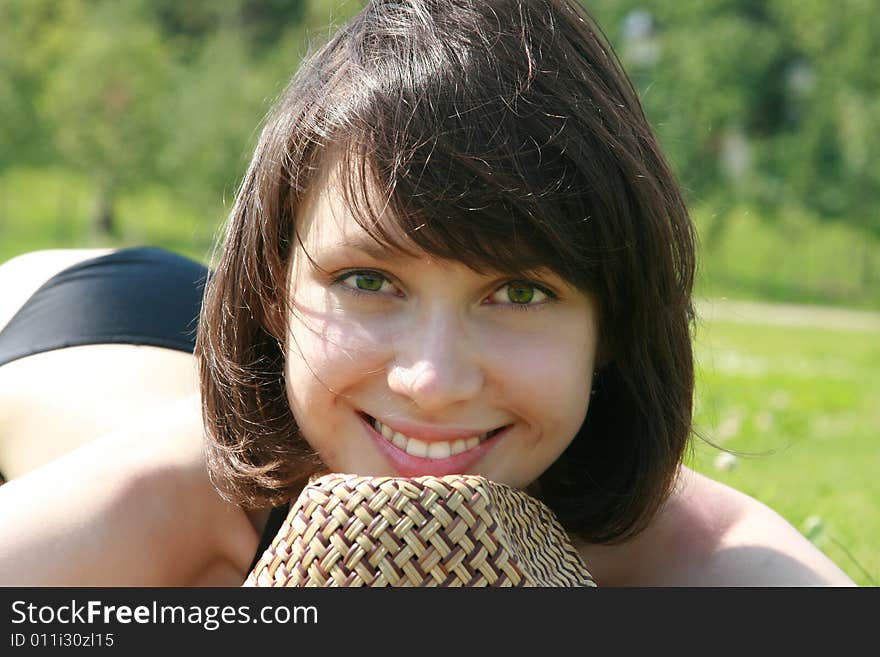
x=434, y=365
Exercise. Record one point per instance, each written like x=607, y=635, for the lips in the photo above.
x=412, y=457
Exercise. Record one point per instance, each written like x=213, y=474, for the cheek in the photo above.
x=327, y=361
x=328, y=354
x=548, y=379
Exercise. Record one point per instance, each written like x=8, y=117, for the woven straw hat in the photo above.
x=458, y=530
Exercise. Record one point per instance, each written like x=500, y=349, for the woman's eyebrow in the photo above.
x=372, y=248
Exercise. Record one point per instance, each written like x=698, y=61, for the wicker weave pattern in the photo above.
x=459, y=530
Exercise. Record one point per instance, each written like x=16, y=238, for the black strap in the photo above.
x=273, y=524
x=141, y=295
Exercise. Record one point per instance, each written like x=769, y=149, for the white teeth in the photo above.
x=432, y=450
x=416, y=447
x=396, y=437
x=439, y=450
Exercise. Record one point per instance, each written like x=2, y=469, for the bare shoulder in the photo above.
x=708, y=534
x=732, y=539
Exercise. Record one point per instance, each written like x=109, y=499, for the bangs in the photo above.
x=407, y=212
x=455, y=146
x=418, y=186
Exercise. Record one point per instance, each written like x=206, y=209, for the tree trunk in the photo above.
x=103, y=215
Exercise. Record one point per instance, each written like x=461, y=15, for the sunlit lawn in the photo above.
x=804, y=403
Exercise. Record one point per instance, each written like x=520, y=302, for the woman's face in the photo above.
x=406, y=366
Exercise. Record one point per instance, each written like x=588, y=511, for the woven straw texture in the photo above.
x=458, y=530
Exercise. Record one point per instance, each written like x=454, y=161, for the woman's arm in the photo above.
x=133, y=508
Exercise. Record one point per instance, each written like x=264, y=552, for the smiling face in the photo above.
x=406, y=366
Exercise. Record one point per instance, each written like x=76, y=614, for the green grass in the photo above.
x=44, y=209
x=793, y=257
x=801, y=406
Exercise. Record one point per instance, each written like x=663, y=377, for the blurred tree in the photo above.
x=832, y=145
x=763, y=103
x=230, y=83
x=34, y=38
x=108, y=101
x=771, y=104
x=220, y=99
x=260, y=23
x=701, y=90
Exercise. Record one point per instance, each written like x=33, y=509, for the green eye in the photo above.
x=367, y=283
x=520, y=292
x=522, y=295
x=370, y=282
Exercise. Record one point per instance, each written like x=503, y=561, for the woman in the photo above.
x=458, y=248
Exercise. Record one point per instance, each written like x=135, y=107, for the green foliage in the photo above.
x=51, y=208
x=35, y=36
x=794, y=256
x=220, y=99
x=772, y=103
x=107, y=99
x=262, y=23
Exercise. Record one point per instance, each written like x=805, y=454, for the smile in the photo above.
x=435, y=449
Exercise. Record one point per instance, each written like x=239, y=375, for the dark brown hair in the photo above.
x=503, y=134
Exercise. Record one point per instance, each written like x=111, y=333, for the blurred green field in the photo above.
x=800, y=406
x=793, y=257
x=51, y=208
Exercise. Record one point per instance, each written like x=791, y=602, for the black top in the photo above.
x=273, y=524
x=143, y=295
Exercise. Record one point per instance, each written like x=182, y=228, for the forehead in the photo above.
x=323, y=215
x=326, y=219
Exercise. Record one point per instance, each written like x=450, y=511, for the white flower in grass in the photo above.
x=813, y=527
x=725, y=461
